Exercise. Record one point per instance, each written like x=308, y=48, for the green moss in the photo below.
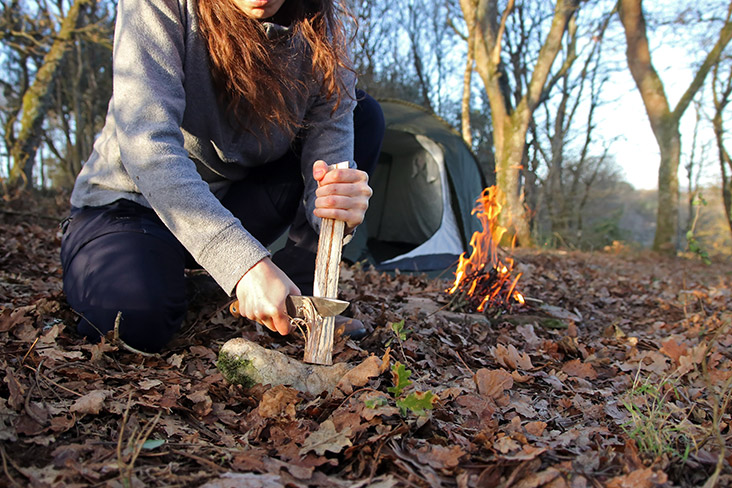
x=237, y=371
x=553, y=324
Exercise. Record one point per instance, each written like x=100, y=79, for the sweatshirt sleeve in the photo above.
x=148, y=104
x=328, y=136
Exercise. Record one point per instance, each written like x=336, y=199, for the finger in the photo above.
x=352, y=218
x=341, y=203
x=320, y=169
x=282, y=324
x=345, y=189
x=269, y=324
x=344, y=175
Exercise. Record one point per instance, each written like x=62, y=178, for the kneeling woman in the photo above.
x=224, y=118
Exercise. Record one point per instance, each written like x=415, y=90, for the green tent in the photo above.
x=425, y=186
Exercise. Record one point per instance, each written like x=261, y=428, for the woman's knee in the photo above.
x=124, y=268
x=147, y=330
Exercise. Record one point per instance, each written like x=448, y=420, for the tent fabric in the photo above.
x=425, y=186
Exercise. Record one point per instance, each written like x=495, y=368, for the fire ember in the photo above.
x=482, y=281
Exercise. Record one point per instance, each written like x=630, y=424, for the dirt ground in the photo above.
x=616, y=373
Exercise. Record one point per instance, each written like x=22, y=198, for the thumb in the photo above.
x=320, y=168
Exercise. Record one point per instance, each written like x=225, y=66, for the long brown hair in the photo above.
x=252, y=80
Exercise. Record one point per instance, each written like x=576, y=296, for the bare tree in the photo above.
x=721, y=92
x=37, y=99
x=664, y=120
x=569, y=179
x=471, y=23
x=511, y=117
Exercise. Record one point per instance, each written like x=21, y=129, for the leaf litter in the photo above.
x=616, y=373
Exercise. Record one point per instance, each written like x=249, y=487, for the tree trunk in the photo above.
x=510, y=125
x=664, y=121
x=667, y=216
x=725, y=161
x=467, y=81
x=37, y=100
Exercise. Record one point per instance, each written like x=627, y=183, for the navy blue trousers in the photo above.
x=122, y=258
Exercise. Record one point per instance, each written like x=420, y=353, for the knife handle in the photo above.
x=234, y=308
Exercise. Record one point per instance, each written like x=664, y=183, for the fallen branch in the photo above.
x=243, y=362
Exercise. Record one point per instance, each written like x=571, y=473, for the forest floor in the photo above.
x=616, y=374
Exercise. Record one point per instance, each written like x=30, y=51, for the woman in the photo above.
x=224, y=118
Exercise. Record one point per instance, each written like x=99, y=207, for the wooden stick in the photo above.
x=319, y=347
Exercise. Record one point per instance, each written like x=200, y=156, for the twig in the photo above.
x=118, y=340
x=299, y=323
x=42, y=422
x=202, y=461
x=136, y=442
x=30, y=349
x=120, y=462
x=461, y=360
x=6, y=458
x=54, y=383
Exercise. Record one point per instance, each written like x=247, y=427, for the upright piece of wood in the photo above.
x=319, y=347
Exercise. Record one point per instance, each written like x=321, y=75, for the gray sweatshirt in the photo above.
x=167, y=144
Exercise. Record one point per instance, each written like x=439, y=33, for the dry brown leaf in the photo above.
x=440, y=457
x=17, y=390
x=278, y=401
x=506, y=444
x=535, y=428
x=148, y=384
x=493, y=382
x=674, y=350
x=10, y=317
x=326, y=438
x=91, y=403
x=202, y=402
x=689, y=361
x=360, y=374
x=245, y=480
x=579, y=369
x=640, y=478
x=511, y=358
x=536, y=480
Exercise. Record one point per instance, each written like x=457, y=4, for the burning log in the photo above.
x=482, y=281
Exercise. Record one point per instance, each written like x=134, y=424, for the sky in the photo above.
x=635, y=148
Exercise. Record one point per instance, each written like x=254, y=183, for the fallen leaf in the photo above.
x=689, y=361
x=147, y=384
x=10, y=317
x=579, y=369
x=536, y=480
x=176, y=360
x=529, y=334
x=278, y=401
x=57, y=354
x=535, y=428
x=326, y=438
x=674, y=350
x=360, y=374
x=506, y=444
x=511, y=358
x=640, y=478
x=91, y=403
x=17, y=390
x=440, y=457
x=493, y=382
x=245, y=480
x=202, y=402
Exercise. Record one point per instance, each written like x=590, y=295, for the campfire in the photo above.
x=482, y=281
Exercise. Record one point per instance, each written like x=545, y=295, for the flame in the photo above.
x=483, y=271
